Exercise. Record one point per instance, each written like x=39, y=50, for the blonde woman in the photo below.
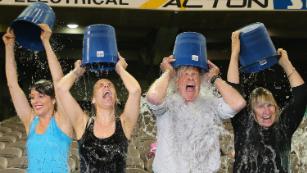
x=263, y=132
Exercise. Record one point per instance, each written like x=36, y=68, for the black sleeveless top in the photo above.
x=106, y=155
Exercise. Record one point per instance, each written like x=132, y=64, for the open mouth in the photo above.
x=38, y=106
x=190, y=88
x=107, y=94
x=266, y=117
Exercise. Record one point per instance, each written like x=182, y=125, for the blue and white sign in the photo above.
x=290, y=4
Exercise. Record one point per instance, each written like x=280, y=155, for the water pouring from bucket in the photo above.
x=99, y=48
x=190, y=50
x=257, y=51
x=26, y=25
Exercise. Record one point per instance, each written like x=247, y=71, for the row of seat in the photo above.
x=13, y=156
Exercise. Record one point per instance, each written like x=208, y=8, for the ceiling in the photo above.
x=152, y=33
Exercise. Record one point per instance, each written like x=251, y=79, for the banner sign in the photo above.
x=175, y=5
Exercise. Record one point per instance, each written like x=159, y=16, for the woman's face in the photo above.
x=42, y=104
x=104, y=93
x=265, y=114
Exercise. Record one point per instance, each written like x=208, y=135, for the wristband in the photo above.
x=213, y=79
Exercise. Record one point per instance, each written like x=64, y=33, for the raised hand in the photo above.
x=78, y=70
x=166, y=64
x=46, y=32
x=121, y=63
x=284, y=59
x=213, y=71
x=9, y=38
x=235, y=43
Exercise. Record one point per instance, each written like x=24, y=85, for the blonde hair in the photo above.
x=184, y=68
x=262, y=95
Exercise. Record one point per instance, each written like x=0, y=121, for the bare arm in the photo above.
x=70, y=106
x=21, y=104
x=158, y=90
x=132, y=107
x=230, y=95
x=233, y=74
x=294, y=77
x=56, y=74
x=54, y=65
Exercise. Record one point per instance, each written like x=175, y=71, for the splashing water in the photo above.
x=281, y=90
x=57, y=43
x=298, y=152
x=40, y=64
x=188, y=134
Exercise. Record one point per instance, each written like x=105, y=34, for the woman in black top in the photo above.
x=103, y=139
x=263, y=131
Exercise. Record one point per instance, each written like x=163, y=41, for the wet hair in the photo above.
x=117, y=103
x=44, y=87
x=183, y=68
x=112, y=82
x=262, y=95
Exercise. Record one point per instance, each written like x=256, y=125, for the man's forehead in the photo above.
x=188, y=68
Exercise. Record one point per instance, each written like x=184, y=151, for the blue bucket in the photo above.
x=190, y=50
x=26, y=27
x=257, y=51
x=99, y=48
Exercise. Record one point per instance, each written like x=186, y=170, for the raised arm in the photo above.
x=233, y=74
x=230, y=95
x=294, y=77
x=158, y=90
x=293, y=112
x=20, y=101
x=132, y=107
x=54, y=65
x=72, y=109
x=56, y=74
